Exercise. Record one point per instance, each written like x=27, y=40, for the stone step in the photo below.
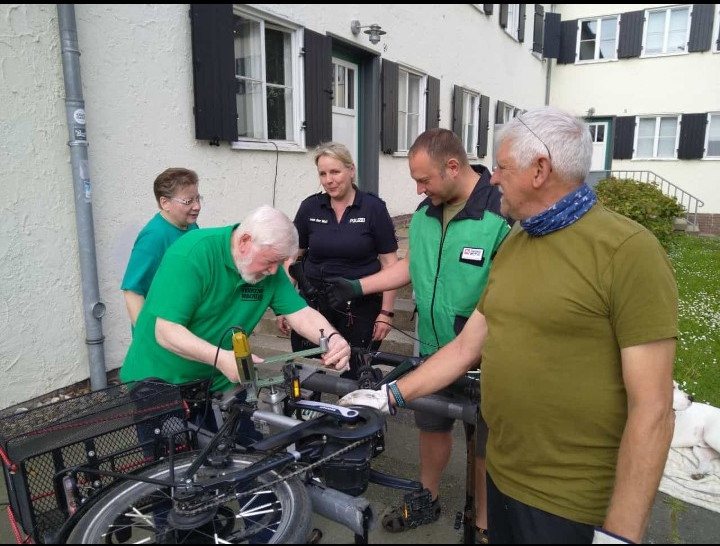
x=403, y=319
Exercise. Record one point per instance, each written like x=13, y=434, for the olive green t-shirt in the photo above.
x=198, y=286
x=559, y=308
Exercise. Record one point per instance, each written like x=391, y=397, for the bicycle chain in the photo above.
x=217, y=501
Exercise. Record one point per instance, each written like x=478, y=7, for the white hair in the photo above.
x=271, y=228
x=549, y=130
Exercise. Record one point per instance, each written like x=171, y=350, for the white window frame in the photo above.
x=513, y=20
x=598, y=39
x=470, y=121
x=712, y=117
x=295, y=140
x=404, y=76
x=666, y=31
x=656, y=136
x=343, y=92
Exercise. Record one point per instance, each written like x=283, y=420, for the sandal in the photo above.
x=414, y=511
x=481, y=535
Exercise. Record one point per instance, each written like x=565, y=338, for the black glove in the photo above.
x=340, y=291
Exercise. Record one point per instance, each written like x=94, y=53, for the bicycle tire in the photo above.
x=133, y=511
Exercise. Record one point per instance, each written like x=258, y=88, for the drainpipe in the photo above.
x=549, y=69
x=93, y=308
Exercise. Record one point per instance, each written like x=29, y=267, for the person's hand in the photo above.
x=367, y=397
x=340, y=291
x=382, y=327
x=601, y=536
x=228, y=365
x=283, y=325
x=338, y=354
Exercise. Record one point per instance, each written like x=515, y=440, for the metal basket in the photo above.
x=55, y=456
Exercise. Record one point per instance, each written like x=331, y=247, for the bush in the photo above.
x=641, y=202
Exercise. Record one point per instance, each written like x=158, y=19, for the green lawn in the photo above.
x=697, y=265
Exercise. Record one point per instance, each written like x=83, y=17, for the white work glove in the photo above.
x=367, y=397
x=601, y=536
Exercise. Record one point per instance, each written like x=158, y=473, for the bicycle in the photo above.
x=188, y=485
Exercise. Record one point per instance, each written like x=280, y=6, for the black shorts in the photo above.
x=512, y=522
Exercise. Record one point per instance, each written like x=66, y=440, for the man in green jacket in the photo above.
x=453, y=237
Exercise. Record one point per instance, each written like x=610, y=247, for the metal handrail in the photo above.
x=688, y=201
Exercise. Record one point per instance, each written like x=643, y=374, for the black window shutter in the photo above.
x=499, y=112
x=488, y=9
x=483, y=126
x=458, y=107
x=318, y=88
x=631, y=33
x=389, y=112
x=701, y=27
x=432, y=109
x=538, y=27
x=568, y=41
x=214, y=85
x=692, y=136
x=624, y=137
x=551, y=36
x=503, y=19
x=521, y=23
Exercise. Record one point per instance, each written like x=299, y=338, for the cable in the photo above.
x=277, y=159
x=212, y=375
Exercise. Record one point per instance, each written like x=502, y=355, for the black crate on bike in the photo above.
x=119, y=429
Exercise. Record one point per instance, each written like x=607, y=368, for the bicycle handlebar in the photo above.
x=442, y=404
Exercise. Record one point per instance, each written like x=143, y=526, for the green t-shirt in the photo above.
x=559, y=308
x=198, y=286
x=150, y=246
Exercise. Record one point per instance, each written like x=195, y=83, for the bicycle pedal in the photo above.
x=315, y=536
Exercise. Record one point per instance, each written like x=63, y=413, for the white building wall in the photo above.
x=675, y=84
x=136, y=69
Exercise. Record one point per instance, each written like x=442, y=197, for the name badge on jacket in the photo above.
x=472, y=256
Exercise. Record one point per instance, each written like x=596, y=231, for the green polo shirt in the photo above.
x=198, y=286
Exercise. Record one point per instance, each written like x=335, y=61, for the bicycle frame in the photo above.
x=307, y=438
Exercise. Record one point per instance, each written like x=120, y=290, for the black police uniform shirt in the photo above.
x=348, y=248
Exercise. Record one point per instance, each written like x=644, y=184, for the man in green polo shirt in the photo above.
x=213, y=279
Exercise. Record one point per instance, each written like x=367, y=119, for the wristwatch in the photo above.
x=390, y=314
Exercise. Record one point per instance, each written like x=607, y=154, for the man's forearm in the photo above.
x=641, y=460
x=449, y=363
x=181, y=341
x=389, y=278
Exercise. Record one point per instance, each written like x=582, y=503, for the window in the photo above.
x=268, y=79
x=597, y=131
x=504, y=112
x=656, y=137
x=597, y=38
x=667, y=31
x=343, y=86
x=411, y=107
x=712, y=144
x=470, y=114
x=513, y=20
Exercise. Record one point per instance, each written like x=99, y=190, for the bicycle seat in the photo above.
x=368, y=422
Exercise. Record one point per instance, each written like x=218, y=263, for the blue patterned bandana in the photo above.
x=567, y=211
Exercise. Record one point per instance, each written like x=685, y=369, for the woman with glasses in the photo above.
x=176, y=192
x=345, y=232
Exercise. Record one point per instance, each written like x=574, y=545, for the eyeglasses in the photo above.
x=537, y=137
x=188, y=202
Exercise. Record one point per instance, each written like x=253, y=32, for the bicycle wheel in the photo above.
x=135, y=512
